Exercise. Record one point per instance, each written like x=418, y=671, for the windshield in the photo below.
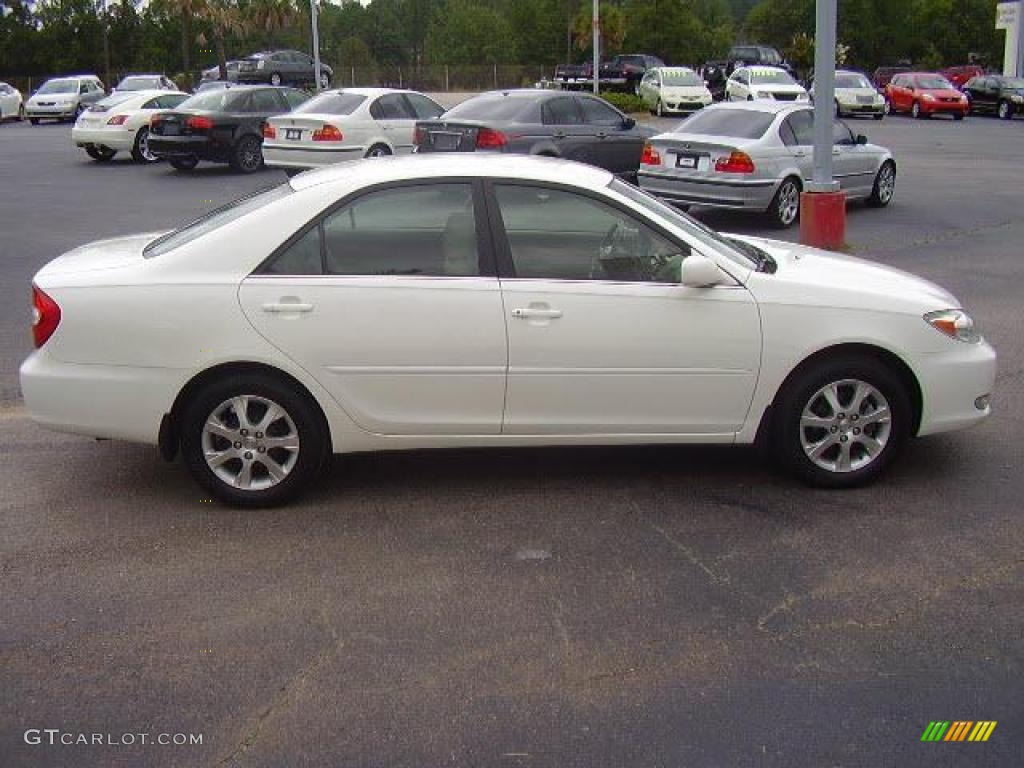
x=691, y=226
x=215, y=219
x=730, y=123
x=760, y=77
x=493, y=107
x=333, y=103
x=138, y=83
x=852, y=81
x=680, y=78
x=59, y=86
x=933, y=81
x=219, y=100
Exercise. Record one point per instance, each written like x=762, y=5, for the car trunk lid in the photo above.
x=100, y=255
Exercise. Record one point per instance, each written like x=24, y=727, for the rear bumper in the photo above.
x=277, y=156
x=170, y=147
x=754, y=194
x=951, y=384
x=115, y=138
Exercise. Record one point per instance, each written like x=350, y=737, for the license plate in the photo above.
x=865, y=99
x=446, y=140
x=169, y=129
x=293, y=134
x=686, y=161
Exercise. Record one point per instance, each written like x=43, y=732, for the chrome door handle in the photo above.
x=800, y=154
x=287, y=306
x=558, y=135
x=528, y=313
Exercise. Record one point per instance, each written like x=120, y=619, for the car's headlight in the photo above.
x=954, y=323
x=260, y=64
x=927, y=97
x=1017, y=98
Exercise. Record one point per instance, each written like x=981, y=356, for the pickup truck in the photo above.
x=625, y=71
x=574, y=76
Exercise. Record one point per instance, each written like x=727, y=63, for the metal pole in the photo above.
x=824, y=95
x=597, y=44
x=316, y=43
x=106, y=47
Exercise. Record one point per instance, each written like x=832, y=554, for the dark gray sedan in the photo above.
x=574, y=126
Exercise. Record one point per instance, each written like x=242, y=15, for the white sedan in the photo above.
x=11, y=105
x=346, y=124
x=120, y=123
x=755, y=83
x=443, y=301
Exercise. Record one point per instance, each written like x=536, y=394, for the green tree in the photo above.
x=465, y=32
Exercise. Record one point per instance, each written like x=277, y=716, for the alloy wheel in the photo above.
x=250, y=442
x=1004, y=110
x=148, y=156
x=275, y=79
x=886, y=184
x=845, y=425
x=788, y=206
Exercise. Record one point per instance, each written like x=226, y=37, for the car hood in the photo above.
x=812, y=276
x=52, y=97
x=102, y=254
x=940, y=93
x=684, y=91
x=778, y=88
x=852, y=93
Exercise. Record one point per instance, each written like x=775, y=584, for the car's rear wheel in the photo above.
x=785, y=206
x=140, y=152
x=378, y=150
x=184, y=163
x=1005, y=109
x=34, y=120
x=252, y=440
x=884, y=186
x=841, y=422
x=101, y=154
x=275, y=79
x=247, y=156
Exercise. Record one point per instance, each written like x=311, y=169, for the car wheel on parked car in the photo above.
x=140, y=152
x=101, y=154
x=275, y=79
x=1005, y=109
x=884, y=187
x=252, y=440
x=785, y=207
x=915, y=111
x=247, y=156
x=378, y=150
x=841, y=422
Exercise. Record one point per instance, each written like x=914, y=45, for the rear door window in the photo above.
x=390, y=107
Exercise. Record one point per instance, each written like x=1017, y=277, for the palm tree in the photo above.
x=226, y=18
x=269, y=16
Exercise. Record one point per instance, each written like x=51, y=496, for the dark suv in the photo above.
x=282, y=68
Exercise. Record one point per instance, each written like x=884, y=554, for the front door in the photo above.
x=603, y=339
x=391, y=303
x=617, y=148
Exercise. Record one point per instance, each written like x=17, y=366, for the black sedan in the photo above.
x=996, y=94
x=574, y=126
x=220, y=126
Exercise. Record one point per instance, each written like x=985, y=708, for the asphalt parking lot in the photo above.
x=666, y=606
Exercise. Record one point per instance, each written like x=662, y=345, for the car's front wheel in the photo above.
x=841, y=422
x=1005, y=109
x=251, y=440
x=916, y=112
x=884, y=187
x=275, y=79
x=101, y=154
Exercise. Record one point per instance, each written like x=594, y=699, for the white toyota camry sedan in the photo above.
x=448, y=301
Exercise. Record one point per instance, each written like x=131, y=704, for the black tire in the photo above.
x=958, y=116
x=378, y=150
x=325, y=81
x=915, y=111
x=881, y=193
x=879, y=116
x=101, y=154
x=789, y=435
x=275, y=78
x=34, y=120
x=780, y=211
x=311, y=437
x=1005, y=110
x=247, y=156
x=140, y=150
x=184, y=163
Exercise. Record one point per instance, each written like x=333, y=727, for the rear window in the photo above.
x=333, y=103
x=215, y=219
x=219, y=100
x=731, y=123
x=491, y=107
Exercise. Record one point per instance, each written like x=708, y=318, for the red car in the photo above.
x=924, y=94
x=960, y=75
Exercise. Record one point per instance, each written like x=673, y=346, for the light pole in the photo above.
x=597, y=43
x=316, y=44
x=106, y=47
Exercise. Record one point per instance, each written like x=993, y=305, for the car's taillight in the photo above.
x=737, y=162
x=45, y=316
x=199, y=123
x=117, y=120
x=328, y=133
x=650, y=156
x=269, y=132
x=155, y=120
x=488, y=138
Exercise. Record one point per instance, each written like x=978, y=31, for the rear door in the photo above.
x=391, y=302
x=563, y=124
x=797, y=132
x=396, y=120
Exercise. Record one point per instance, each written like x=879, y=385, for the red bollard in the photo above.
x=823, y=219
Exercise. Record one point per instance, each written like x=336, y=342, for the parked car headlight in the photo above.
x=260, y=64
x=955, y=323
x=927, y=97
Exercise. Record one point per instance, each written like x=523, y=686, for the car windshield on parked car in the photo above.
x=332, y=103
x=933, y=82
x=731, y=123
x=677, y=78
x=771, y=77
x=59, y=86
x=852, y=80
x=140, y=83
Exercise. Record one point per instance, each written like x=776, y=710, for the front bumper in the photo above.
x=853, y=108
x=951, y=384
x=682, y=106
x=114, y=137
x=944, y=107
x=749, y=194
x=56, y=113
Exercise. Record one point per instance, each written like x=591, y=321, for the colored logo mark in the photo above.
x=958, y=730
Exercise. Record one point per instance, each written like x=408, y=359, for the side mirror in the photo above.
x=628, y=123
x=862, y=139
x=698, y=271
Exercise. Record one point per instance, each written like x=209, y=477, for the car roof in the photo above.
x=447, y=165
x=370, y=92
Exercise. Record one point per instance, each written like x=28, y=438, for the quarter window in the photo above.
x=558, y=235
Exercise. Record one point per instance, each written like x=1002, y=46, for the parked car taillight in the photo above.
x=650, y=156
x=269, y=131
x=488, y=138
x=117, y=120
x=45, y=316
x=199, y=123
x=328, y=133
x=737, y=162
